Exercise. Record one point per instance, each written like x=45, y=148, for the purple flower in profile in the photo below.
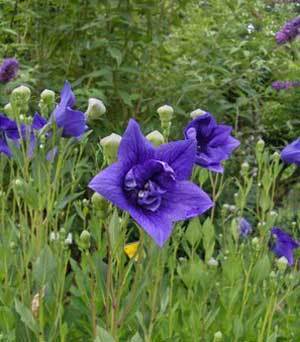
x=8, y=70
x=289, y=31
x=71, y=121
x=283, y=85
x=244, y=227
x=291, y=153
x=152, y=183
x=214, y=142
x=8, y=131
x=284, y=245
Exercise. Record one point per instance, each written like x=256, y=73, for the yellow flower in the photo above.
x=131, y=250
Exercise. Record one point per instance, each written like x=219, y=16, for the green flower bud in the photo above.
x=245, y=166
x=282, y=263
x=96, y=108
x=85, y=239
x=8, y=109
x=197, y=112
x=260, y=145
x=156, y=138
x=85, y=202
x=100, y=204
x=218, y=336
x=48, y=96
x=276, y=156
x=20, y=95
x=213, y=262
x=69, y=239
x=110, y=145
x=47, y=102
x=165, y=113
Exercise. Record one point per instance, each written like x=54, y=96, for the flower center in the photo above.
x=145, y=184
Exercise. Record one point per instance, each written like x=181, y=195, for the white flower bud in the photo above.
x=48, y=96
x=69, y=239
x=282, y=263
x=197, y=112
x=96, y=108
x=218, y=336
x=21, y=93
x=213, y=262
x=255, y=241
x=110, y=145
x=8, y=109
x=260, y=145
x=53, y=236
x=165, y=113
x=245, y=166
x=156, y=138
x=276, y=156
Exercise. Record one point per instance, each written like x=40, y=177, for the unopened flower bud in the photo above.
x=218, y=336
x=96, y=108
x=260, y=145
x=276, y=156
x=8, y=109
x=272, y=274
x=245, y=166
x=255, y=241
x=213, y=262
x=100, y=204
x=85, y=239
x=165, y=113
x=20, y=95
x=156, y=138
x=47, y=102
x=48, y=96
x=110, y=145
x=197, y=112
x=69, y=239
x=85, y=202
x=232, y=208
x=282, y=263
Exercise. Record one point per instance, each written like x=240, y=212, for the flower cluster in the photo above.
x=70, y=123
x=151, y=183
x=282, y=85
x=289, y=31
x=8, y=70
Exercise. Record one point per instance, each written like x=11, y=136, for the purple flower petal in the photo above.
x=38, y=122
x=180, y=155
x=8, y=70
x=284, y=245
x=134, y=147
x=4, y=148
x=291, y=153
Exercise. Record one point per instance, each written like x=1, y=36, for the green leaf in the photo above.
x=193, y=233
x=114, y=230
x=44, y=267
x=208, y=238
x=262, y=269
x=103, y=336
x=26, y=316
x=116, y=54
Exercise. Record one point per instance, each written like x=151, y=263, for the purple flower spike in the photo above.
x=283, y=85
x=72, y=122
x=291, y=153
x=152, y=183
x=8, y=130
x=214, y=142
x=289, y=31
x=284, y=245
x=244, y=227
x=8, y=70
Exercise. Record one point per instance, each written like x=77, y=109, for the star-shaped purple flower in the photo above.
x=71, y=121
x=152, y=183
x=8, y=130
x=8, y=70
x=284, y=244
x=291, y=153
x=214, y=142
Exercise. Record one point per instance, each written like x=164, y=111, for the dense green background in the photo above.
x=138, y=54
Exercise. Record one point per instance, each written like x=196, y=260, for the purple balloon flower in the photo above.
x=284, y=245
x=289, y=31
x=291, y=153
x=152, y=183
x=8, y=70
x=72, y=122
x=214, y=142
x=8, y=130
x=244, y=227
